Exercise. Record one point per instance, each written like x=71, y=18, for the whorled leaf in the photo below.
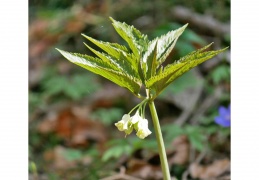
x=143, y=63
x=112, y=49
x=172, y=71
x=105, y=69
x=118, y=53
x=119, y=64
x=136, y=40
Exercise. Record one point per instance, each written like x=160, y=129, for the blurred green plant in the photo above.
x=198, y=135
x=72, y=154
x=118, y=147
x=33, y=169
x=218, y=9
x=184, y=82
x=74, y=87
x=220, y=73
x=107, y=116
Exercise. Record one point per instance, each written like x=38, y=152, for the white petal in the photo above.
x=126, y=117
x=123, y=124
x=136, y=118
x=143, y=130
x=143, y=123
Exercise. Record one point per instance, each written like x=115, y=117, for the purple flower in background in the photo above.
x=224, y=116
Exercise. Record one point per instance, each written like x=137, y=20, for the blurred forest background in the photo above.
x=72, y=111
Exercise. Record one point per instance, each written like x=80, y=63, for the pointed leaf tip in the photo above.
x=111, y=19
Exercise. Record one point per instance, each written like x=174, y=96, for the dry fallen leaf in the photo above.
x=74, y=126
x=217, y=168
x=58, y=160
x=181, y=147
x=141, y=169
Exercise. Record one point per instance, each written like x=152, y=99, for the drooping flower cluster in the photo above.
x=140, y=124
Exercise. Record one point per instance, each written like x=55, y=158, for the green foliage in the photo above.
x=72, y=154
x=119, y=147
x=220, y=73
x=32, y=167
x=107, y=116
x=137, y=143
x=137, y=42
x=116, y=152
x=74, y=87
x=197, y=135
x=117, y=55
x=187, y=80
x=173, y=71
x=144, y=64
x=35, y=101
x=116, y=149
x=105, y=69
x=166, y=44
x=189, y=39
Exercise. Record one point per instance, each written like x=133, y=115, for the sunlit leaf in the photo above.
x=119, y=64
x=111, y=48
x=166, y=43
x=173, y=71
x=135, y=39
x=104, y=69
x=149, y=61
x=141, y=65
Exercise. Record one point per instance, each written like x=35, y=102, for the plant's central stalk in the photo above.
x=160, y=141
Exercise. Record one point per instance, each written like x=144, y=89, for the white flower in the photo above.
x=136, y=118
x=127, y=123
x=122, y=125
x=142, y=129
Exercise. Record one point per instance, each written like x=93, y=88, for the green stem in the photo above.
x=160, y=142
x=139, y=105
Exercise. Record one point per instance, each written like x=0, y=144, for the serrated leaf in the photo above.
x=106, y=59
x=110, y=48
x=135, y=39
x=166, y=43
x=104, y=69
x=143, y=63
x=118, y=64
x=158, y=82
x=149, y=61
x=120, y=47
x=173, y=71
x=118, y=54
